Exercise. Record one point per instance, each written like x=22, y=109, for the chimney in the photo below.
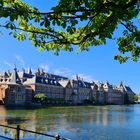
x=29, y=71
x=23, y=70
x=9, y=73
x=77, y=78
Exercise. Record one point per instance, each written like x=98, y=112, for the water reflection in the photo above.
x=75, y=122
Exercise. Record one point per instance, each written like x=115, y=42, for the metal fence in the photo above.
x=19, y=129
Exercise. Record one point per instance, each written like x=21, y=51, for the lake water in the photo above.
x=111, y=122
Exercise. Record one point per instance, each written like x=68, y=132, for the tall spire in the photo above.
x=23, y=70
x=122, y=86
x=14, y=79
x=29, y=71
x=15, y=68
x=77, y=77
x=9, y=73
x=121, y=83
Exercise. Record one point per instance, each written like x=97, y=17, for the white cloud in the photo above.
x=85, y=77
x=69, y=73
x=20, y=61
x=45, y=67
x=63, y=72
x=8, y=64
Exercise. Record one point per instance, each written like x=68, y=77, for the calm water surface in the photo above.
x=76, y=123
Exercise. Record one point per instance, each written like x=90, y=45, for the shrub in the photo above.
x=40, y=98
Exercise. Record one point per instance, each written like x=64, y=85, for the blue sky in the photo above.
x=97, y=64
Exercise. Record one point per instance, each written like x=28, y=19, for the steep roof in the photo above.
x=41, y=80
x=84, y=84
x=81, y=83
x=126, y=88
x=94, y=86
x=100, y=85
x=24, y=75
x=108, y=85
x=56, y=77
x=4, y=75
x=63, y=83
x=30, y=71
x=122, y=86
x=129, y=90
x=41, y=73
x=14, y=78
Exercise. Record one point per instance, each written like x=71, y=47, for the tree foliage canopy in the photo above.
x=71, y=23
x=40, y=98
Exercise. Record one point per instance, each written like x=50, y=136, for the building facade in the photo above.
x=12, y=91
x=21, y=87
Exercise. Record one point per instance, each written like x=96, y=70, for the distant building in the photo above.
x=101, y=94
x=94, y=95
x=20, y=87
x=12, y=91
x=108, y=91
x=117, y=97
x=48, y=86
x=68, y=90
x=128, y=93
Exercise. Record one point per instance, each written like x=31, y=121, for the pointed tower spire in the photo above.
x=23, y=70
x=15, y=68
x=9, y=73
x=29, y=71
x=42, y=72
x=14, y=79
x=38, y=72
x=77, y=78
x=121, y=84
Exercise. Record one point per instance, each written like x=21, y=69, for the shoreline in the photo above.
x=50, y=106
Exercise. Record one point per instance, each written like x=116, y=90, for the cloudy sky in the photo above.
x=95, y=65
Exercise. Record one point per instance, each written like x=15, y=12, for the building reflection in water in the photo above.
x=38, y=120
x=3, y=115
x=26, y=120
x=68, y=120
x=117, y=115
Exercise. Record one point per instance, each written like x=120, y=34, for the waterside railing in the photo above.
x=18, y=129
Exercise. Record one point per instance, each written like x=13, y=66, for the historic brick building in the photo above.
x=20, y=87
x=48, y=86
x=12, y=91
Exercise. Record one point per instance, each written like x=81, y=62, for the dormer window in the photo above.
x=42, y=80
x=46, y=80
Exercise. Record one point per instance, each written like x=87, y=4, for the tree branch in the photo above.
x=31, y=31
x=127, y=27
x=107, y=4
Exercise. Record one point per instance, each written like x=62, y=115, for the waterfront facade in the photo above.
x=12, y=91
x=20, y=88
